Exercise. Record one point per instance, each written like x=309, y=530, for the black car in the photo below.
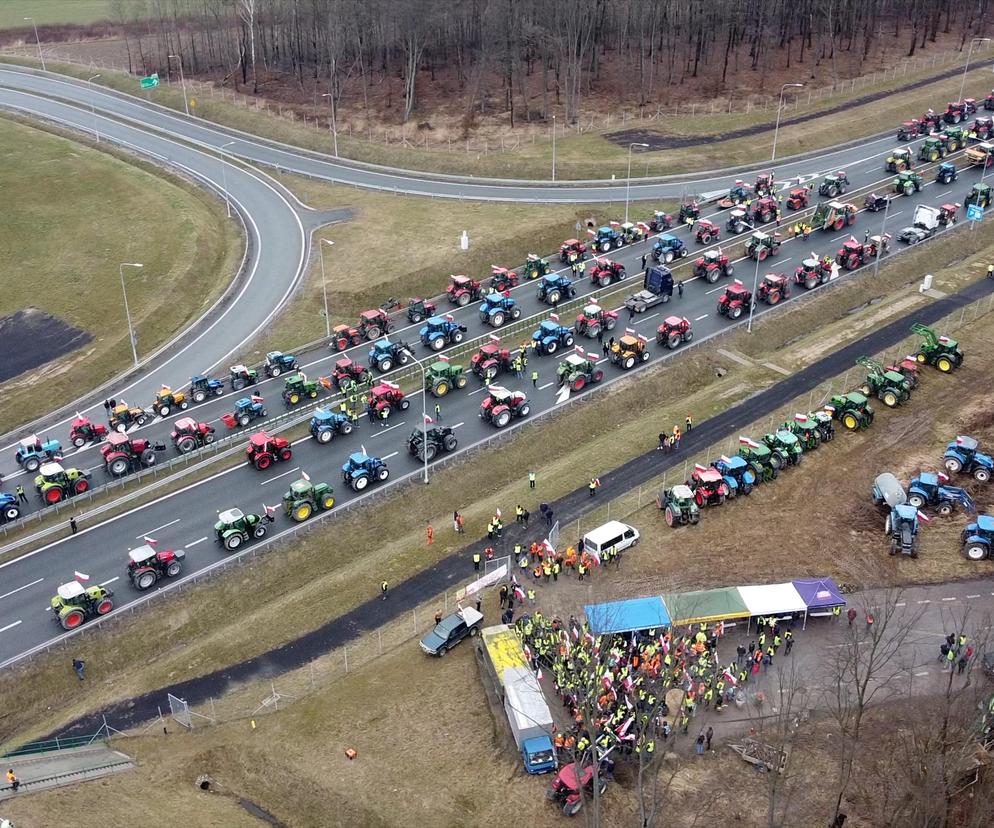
x=451, y=630
x=874, y=203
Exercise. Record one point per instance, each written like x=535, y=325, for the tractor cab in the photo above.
x=374, y=323
x=946, y=172
x=572, y=250
x=980, y=195
x=735, y=300
x=242, y=376
x=690, y=211
x=737, y=221
x=797, y=198
x=279, y=363
x=898, y=160
x=72, y=591
x=707, y=232
x=202, y=387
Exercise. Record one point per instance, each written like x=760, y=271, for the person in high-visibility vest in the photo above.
x=476, y=561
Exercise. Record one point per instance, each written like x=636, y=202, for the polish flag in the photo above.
x=724, y=459
x=532, y=257
x=923, y=517
x=614, y=224
x=449, y=317
x=270, y=510
x=645, y=227
x=256, y=398
x=959, y=441
x=554, y=317
x=943, y=478
x=591, y=233
x=579, y=349
x=738, y=282
x=496, y=269
x=591, y=357
x=944, y=340
x=494, y=338
x=745, y=441
x=538, y=674
x=150, y=541
x=499, y=513
x=306, y=476
x=428, y=420
x=700, y=468
x=800, y=418
x=630, y=331
x=443, y=358
x=81, y=577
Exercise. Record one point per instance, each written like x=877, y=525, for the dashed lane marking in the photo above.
x=948, y=599
x=115, y=578
x=156, y=529
x=385, y=430
x=702, y=316
x=194, y=543
x=271, y=479
x=11, y=626
x=21, y=587
x=388, y=456
x=543, y=387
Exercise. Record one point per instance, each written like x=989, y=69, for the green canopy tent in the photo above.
x=705, y=606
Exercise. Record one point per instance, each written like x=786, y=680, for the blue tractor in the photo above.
x=929, y=489
x=440, y=331
x=497, y=308
x=945, y=173
x=606, y=238
x=551, y=336
x=33, y=451
x=385, y=354
x=246, y=410
x=902, y=526
x=202, y=387
x=326, y=424
x=740, y=478
x=667, y=248
x=9, y=510
x=554, y=288
x=962, y=456
x=361, y=470
x=279, y=363
x=978, y=538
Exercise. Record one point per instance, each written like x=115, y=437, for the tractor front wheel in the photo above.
x=72, y=619
x=259, y=531
x=148, y=457
x=449, y=442
x=286, y=453
x=889, y=398
x=579, y=383
x=174, y=569
x=232, y=542
x=382, y=474
x=524, y=410
x=669, y=516
x=345, y=428
x=360, y=483
x=916, y=500
x=982, y=475
x=302, y=511
x=186, y=445
x=327, y=502
x=460, y=382
x=440, y=388
x=427, y=454
x=976, y=552
x=118, y=466
x=850, y=421
x=104, y=606
x=945, y=509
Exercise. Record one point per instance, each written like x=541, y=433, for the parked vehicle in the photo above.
x=361, y=469
x=930, y=490
x=32, y=452
x=279, y=363
x=304, y=498
x=674, y=331
x=657, y=287
x=451, y=630
x=73, y=604
x=735, y=301
x=122, y=454
x=147, y=566
x=188, y=435
x=202, y=387
x=501, y=406
x=440, y=331
x=963, y=456
x=325, y=425
x=443, y=376
x=712, y=266
x=233, y=527
x=852, y=410
x=678, y=506
x=383, y=356
x=593, y=319
x=629, y=351
x=439, y=439
x=941, y=351
x=263, y=450
x=978, y=538
x=551, y=336
x=496, y=309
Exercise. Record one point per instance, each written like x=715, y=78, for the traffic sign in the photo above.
x=150, y=82
x=974, y=212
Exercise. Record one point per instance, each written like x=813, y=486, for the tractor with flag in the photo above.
x=707, y=231
x=634, y=232
x=708, y=486
x=74, y=604
x=498, y=308
x=738, y=474
x=123, y=417
x=572, y=250
x=929, y=489
x=551, y=336
x=593, y=319
x=824, y=423
x=738, y=194
x=166, y=400
x=440, y=439
x=678, y=506
x=834, y=215
x=901, y=525
x=578, y=370
x=854, y=254
x=384, y=355
x=660, y=221
x=774, y=288
x=606, y=238
x=500, y=406
x=241, y=376
x=502, y=279
x=263, y=450
x=674, y=331
x=941, y=351
x=349, y=374
x=736, y=300
x=375, y=323
x=762, y=245
x=963, y=456
x=806, y=429
x=202, y=387
x=419, y=309
x=442, y=376
x=978, y=538
x=233, y=527
x=462, y=290
x=813, y=272
x=147, y=565
x=889, y=387
x=123, y=454
x=535, y=266
x=690, y=211
x=764, y=210
x=440, y=331
x=304, y=498
x=784, y=447
x=491, y=360
x=32, y=452
x=759, y=458
x=82, y=431
x=386, y=398
x=188, y=435
x=712, y=266
x=603, y=273
x=629, y=350
x=297, y=386
x=326, y=424
x=765, y=185
x=361, y=469
x=246, y=410
x=853, y=410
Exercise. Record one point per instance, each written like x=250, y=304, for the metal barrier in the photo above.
x=48, y=745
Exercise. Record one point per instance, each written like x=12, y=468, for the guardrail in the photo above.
x=49, y=745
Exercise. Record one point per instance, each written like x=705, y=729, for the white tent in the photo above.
x=772, y=599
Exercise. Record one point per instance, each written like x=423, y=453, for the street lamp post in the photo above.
x=182, y=80
x=224, y=177
x=776, y=129
x=880, y=251
x=628, y=181
x=334, y=120
x=969, y=54
x=553, y=147
x=93, y=111
x=324, y=286
x=41, y=57
x=752, y=299
x=983, y=172
x=424, y=410
x=127, y=311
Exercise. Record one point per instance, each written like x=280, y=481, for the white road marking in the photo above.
x=477, y=391
x=271, y=479
x=156, y=529
x=547, y=385
x=10, y=626
x=900, y=604
x=968, y=596
x=948, y=599
x=926, y=601
x=22, y=587
x=647, y=318
x=115, y=578
x=702, y=316
x=385, y=430
x=715, y=290
x=388, y=456
x=922, y=674
x=458, y=425
x=194, y=543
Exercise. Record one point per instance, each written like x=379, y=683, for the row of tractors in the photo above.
x=760, y=461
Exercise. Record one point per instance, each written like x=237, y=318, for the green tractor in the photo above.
x=678, y=506
x=980, y=195
x=55, y=483
x=852, y=410
x=806, y=429
x=954, y=138
x=784, y=447
x=932, y=149
x=440, y=439
x=823, y=422
x=442, y=376
x=760, y=458
x=908, y=182
x=233, y=528
x=941, y=351
x=306, y=498
x=73, y=604
x=297, y=387
x=890, y=387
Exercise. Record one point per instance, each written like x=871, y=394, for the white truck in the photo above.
x=924, y=224
x=530, y=719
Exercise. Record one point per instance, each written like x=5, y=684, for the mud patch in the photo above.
x=31, y=337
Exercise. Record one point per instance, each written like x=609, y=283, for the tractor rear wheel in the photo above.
x=889, y=398
x=232, y=542
x=973, y=552
x=54, y=494
x=118, y=466
x=263, y=461
x=449, y=442
x=72, y=619
x=428, y=453
x=865, y=389
x=186, y=445
x=944, y=364
x=553, y=297
x=673, y=340
x=669, y=516
x=145, y=579
x=302, y=511
x=325, y=436
x=628, y=362
x=438, y=343
x=286, y=453
x=163, y=411
x=199, y=396
x=382, y=473
x=735, y=312
x=502, y=419
x=11, y=513
x=579, y=383
x=384, y=365
x=243, y=419
x=345, y=427
x=359, y=483
x=462, y=299
x=981, y=475
x=373, y=332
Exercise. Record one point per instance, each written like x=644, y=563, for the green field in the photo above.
x=53, y=12
x=73, y=213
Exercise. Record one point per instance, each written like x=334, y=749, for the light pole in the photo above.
x=969, y=54
x=334, y=119
x=880, y=251
x=752, y=299
x=224, y=177
x=127, y=311
x=553, y=147
x=983, y=172
x=324, y=286
x=182, y=80
x=424, y=410
x=776, y=129
x=93, y=111
x=41, y=57
x=628, y=181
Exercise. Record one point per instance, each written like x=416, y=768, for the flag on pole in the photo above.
x=630, y=331
x=700, y=468
x=591, y=357
x=306, y=476
x=923, y=517
x=150, y=541
x=943, y=478
x=256, y=398
x=270, y=510
x=800, y=418
x=745, y=441
x=81, y=577
x=428, y=420
x=443, y=358
x=725, y=459
x=554, y=317
x=494, y=338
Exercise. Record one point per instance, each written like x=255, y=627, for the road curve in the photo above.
x=293, y=159
x=277, y=250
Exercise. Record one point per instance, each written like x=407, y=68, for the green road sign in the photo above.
x=150, y=82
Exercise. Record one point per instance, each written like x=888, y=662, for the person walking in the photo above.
x=631, y=312
x=593, y=485
x=679, y=289
x=12, y=780
x=371, y=413
x=699, y=744
x=72, y=525
x=961, y=664
x=476, y=561
x=502, y=595
x=990, y=271
x=20, y=494
x=430, y=534
x=708, y=736
x=534, y=379
x=645, y=256
x=851, y=615
x=689, y=424
x=604, y=346
x=531, y=480
x=788, y=639
x=438, y=412
x=383, y=590
x=524, y=518
x=79, y=667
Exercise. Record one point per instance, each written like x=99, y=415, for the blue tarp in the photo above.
x=627, y=616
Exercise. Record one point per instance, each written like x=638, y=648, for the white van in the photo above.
x=613, y=533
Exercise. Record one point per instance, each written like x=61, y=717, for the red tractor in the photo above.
x=773, y=288
x=931, y=122
x=566, y=787
x=947, y=214
x=764, y=210
x=343, y=337
x=462, y=290
x=707, y=232
x=263, y=450
x=146, y=565
x=491, y=360
x=674, y=331
x=982, y=128
x=572, y=250
x=348, y=372
x=123, y=454
x=735, y=301
x=797, y=199
x=374, y=323
x=593, y=319
x=910, y=130
x=388, y=397
x=813, y=272
x=604, y=272
x=908, y=368
x=765, y=184
x=83, y=431
x=188, y=435
x=501, y=406
x=712, y=266
x=708, y=486
x=854, y=254
x=502, y=279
